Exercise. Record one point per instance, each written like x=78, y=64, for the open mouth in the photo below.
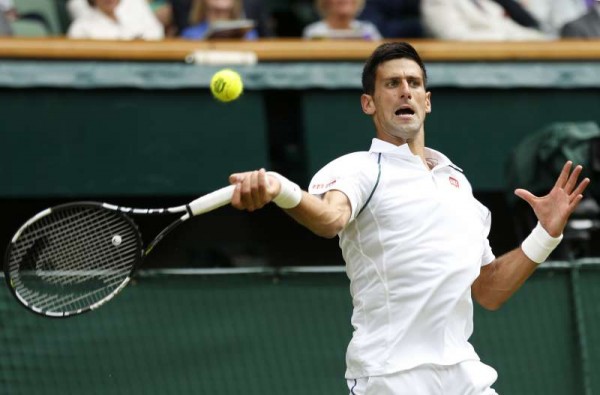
x=405, y=112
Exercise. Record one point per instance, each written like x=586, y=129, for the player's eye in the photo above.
x=414, y=83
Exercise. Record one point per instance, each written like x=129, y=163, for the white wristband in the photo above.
x=539, y=244
x=290, y=193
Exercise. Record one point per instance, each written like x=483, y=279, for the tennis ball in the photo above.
x=226, y=85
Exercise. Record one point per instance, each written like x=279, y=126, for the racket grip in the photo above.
x=212, y=201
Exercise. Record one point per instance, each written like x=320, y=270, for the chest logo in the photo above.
x=454, y=182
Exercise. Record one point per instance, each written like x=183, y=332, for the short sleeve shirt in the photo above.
x=415, y=243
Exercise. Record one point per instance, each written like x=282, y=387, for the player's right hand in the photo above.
x=253, y=189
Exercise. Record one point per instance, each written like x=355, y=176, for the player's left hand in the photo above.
x=254, y=189
x=554, y=209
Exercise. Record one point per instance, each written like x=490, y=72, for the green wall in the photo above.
x=266, y=334
x=64, y=142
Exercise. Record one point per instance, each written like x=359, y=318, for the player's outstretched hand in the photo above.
x=253, y=190
x=554, y=209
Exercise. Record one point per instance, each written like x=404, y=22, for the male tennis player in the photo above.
x=414, y=239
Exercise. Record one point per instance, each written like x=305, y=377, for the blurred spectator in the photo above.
x=473, y=20
x=338, y=20
x=5, y=29
x=519, y=14
x=164, y=13
x=148, y=12
x=7, y=8
x=394, y=18
x=7, y=15
x=553, y=14
x=205, y=12
x=253, y=9
x=586, y=26
x=116, y=20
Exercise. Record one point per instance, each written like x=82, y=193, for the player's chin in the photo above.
x=406, y=131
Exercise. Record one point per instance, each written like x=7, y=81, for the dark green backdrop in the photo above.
x=150, y=134
x=286, y=334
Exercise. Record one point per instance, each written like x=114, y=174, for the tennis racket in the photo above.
x=75, y=257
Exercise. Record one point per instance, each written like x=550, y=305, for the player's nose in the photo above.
x=404, y=89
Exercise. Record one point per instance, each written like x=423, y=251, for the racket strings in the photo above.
x=60, y=249
x=86, y=254
x=73, y=258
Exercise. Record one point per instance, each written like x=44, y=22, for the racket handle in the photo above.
x=213, y=200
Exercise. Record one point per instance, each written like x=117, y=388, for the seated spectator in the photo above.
x=253, y=9
x=517, y=12
x=338, y=20
x=7, y=15
x=553, y=14
x=206, y=12
x=5, y=29
x=163, y=11
x=473, y=20
x=394, y=18
x=586, y=26
x=116, y=20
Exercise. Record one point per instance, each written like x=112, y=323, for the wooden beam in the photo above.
x=268, y=50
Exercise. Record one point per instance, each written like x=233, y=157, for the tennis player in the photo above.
x=414, y=239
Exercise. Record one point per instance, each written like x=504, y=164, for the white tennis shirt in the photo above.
x=411, y=255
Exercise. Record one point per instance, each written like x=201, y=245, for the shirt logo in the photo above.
x=323, y=186
x=454, y=182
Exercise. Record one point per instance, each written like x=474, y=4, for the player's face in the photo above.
x=400, y=102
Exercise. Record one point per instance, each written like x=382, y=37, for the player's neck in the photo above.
x=417, y=147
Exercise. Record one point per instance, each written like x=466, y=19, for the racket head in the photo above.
x=72, y=258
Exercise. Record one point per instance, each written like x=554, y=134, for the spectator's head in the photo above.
x=339, y=8
x=201, y=10
x=384, y=53
x=106, y=6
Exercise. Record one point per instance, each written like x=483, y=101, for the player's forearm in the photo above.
x=505, y=275
x=324, y=217
x=499, y=280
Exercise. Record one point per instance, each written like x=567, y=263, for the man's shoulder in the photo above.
x=353, y=160
x=355, y=166
x=351, y=163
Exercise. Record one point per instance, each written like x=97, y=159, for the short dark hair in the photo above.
x=383, y=53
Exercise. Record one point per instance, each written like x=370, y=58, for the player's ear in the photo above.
x=428, y=102
x=366, y=102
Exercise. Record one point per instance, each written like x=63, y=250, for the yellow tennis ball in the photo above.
x=226, y=85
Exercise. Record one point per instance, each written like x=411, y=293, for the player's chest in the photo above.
x=420, y=199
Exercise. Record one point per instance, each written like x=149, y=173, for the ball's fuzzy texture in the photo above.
x=226, y=85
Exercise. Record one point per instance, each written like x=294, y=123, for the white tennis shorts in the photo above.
x=465, y=378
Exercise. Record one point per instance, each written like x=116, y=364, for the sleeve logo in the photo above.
x=454, y=182
x=323, y=186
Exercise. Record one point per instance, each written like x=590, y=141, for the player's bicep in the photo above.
x=339, y=202
x=324, y=214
